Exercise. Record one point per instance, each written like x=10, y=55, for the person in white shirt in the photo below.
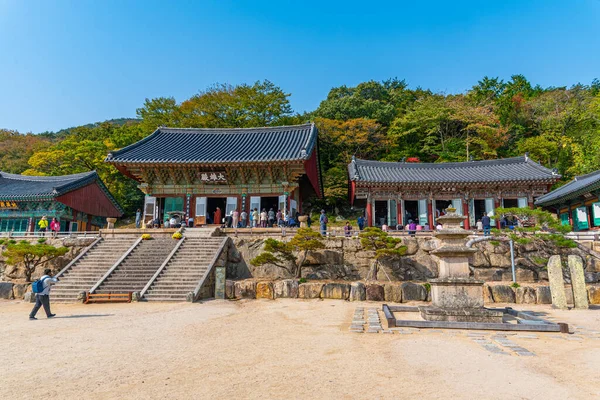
x=43, y=298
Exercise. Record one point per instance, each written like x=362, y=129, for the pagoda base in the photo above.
x=456, y=293
x=461, y=314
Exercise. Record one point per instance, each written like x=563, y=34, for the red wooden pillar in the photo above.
x=399, y=215
x=570, y=216
x=369, y=213
x=496, y=205
x=430, y=213
x=466, y=214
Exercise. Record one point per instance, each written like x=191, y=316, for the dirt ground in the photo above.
x=274, y=350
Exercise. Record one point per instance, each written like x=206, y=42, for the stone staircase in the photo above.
x=138, y=267
x=189, y=265
x=88, y=270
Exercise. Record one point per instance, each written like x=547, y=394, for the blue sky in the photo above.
x=67, y=63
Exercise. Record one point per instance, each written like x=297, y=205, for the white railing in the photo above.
x=49, y=235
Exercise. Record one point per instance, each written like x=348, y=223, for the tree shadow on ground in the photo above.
x=84, y=316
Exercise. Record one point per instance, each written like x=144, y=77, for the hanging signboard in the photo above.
x=213, y=177
x=8, y=205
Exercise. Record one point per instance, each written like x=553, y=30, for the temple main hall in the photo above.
x=194, y=171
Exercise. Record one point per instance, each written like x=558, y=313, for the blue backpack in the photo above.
x=38, y=286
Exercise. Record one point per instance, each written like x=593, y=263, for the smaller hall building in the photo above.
x=393, y=193
x=80, y=202
x=194, y=171
x=577, y=203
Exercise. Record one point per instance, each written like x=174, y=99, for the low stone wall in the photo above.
x=345, y=259
x=393, y=292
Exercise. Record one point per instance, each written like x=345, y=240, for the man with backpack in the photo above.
x=41, y=288
x=323, y=220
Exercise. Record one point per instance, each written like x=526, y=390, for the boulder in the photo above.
x=594, y=294
x=393, y=292
x=29, y=297
x=426, y=264
x=503, y=294
x=413, y=292
x=487, y=294
x=429, y=244
x=412, y=246
x=229, y=289
x=480, y=260
x=338, y=291
x=6, y=290
x=357, y=292
x=325, y=257
x=592, y=277
x=310, y=290
x=543, y=295
x=375, y=292
x=264, y=290
x=525, y=295
x=286, y=288
x=245, y=289
x=19, y=290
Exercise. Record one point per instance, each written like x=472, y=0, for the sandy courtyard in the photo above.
x=275, y=350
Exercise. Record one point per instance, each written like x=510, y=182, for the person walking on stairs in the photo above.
x=43, y=297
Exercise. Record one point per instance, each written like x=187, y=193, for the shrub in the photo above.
x=302, y=280
x=146, y=236
x=494, y=243
x=427, y=287
x=515, y=285
x=177, y=235
x=539, y=260
x=41, y=240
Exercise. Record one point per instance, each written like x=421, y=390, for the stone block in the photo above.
x=338, y=291
x=264, y=290
x=229, y=289
x=487, y=274
x=413, y=292
x=455, y=293
x=245, y=289
x=393, y=292
x=480, y=260
x=503, y=294
x=543, y=295
x=286, y=288
x=6, y=290
x=375, y=292
x=524, y=275
x=500, y=260
x=594, y=294
x=310, y=290
x=19, y=290
x=29, y=297
x=325, y=257
x=357, y=291
x=487, y=294
x=592, y=277
x=429, y=244
x=580, y=299
x=525, y=295
x=557, y=283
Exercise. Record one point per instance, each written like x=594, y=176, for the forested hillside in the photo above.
x=557, y=126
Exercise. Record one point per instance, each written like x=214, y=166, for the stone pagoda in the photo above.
x=455, y=296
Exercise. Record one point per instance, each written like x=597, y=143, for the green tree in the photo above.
x=291, y=255
x=384, y=246
x=31, y=255
x=161, y=111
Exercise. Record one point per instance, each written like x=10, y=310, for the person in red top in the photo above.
x=54, y=227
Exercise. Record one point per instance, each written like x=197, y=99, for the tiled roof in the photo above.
x=516, y=169
x=15, y=187
x=577, y=187
x=215, y=146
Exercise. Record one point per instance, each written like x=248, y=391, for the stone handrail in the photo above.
x=115, y=265
x=73, y=261
x=196, y=292
x=161, y=268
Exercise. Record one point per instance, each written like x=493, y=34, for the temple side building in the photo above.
x=396, y=192
x=194, y=171
x=577, y=203
x=80, y=202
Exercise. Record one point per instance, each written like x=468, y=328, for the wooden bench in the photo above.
x=108, y=298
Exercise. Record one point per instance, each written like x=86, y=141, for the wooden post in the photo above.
x=399, y=215
x=466, y=214
x=369, y=213
x=496, y=205
x=430, y=213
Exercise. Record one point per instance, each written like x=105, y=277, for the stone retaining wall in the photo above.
x=393, y=292
x=344, y=259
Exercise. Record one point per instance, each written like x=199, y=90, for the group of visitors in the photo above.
x=256, y=219
x=43, y=226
